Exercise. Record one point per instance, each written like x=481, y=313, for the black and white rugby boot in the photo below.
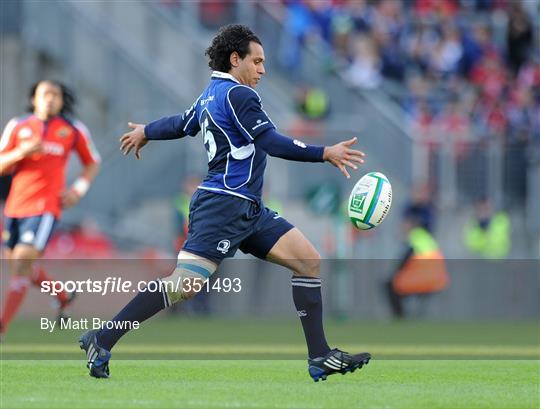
x=336, y=361
x=97, y=357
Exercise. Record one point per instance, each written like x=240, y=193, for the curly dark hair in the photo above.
x=230, y=38
x=68, y=97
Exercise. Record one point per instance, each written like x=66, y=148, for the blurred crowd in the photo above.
x=471, y=68
x=466, y=68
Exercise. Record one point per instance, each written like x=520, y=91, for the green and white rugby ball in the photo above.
x=370, y=201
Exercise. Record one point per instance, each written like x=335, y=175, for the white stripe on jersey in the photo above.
x=7, y=134
x=234, y=113
x=85, y=133
x=190, y=119
x=238, y=153
x=194, y=108
x=260, y=102
x=215, y=189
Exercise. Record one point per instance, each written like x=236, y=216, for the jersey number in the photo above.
x=209, y=141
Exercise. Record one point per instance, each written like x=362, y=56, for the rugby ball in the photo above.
x=370, y=201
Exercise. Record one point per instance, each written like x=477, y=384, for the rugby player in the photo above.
x=35, y=148
x=226, y=212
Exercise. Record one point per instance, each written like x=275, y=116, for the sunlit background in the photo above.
x=444, y=97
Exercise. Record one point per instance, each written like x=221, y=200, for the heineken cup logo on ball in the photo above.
x=370, y=201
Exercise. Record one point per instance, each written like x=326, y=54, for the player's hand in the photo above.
x=133, y=139
x=342, y=156
x=69, y=198
x=29, y=147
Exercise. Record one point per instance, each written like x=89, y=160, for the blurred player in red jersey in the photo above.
x=35, y=149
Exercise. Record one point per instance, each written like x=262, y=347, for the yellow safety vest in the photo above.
x=422, y=242
x=425, y=270
x=493, y=242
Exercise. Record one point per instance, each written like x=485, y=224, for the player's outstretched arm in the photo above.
x=167, y=128
x=342, y=156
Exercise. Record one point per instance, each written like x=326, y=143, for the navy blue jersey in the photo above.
x=230, y=117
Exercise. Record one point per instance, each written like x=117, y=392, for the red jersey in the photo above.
x=39, y=179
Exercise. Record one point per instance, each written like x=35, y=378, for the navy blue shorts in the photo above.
x=221, y=224
x=34, y=231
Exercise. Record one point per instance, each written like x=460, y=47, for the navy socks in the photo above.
x=145, y=305
x=308, y=301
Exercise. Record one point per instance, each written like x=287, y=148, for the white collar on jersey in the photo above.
x=224, y=75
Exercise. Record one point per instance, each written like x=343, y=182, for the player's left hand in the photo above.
x=133, y=139
x=69, y=198
x=341, y=155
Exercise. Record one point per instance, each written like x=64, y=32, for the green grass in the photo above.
x=271, y=384
x=416, y=365
x=173, y=338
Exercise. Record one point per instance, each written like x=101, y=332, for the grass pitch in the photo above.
x=415, y=365
x=271, y=384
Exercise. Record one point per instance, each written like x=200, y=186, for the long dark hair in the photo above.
x=68, y=97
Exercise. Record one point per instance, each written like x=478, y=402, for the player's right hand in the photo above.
x=133, y=139
x=28, y=148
